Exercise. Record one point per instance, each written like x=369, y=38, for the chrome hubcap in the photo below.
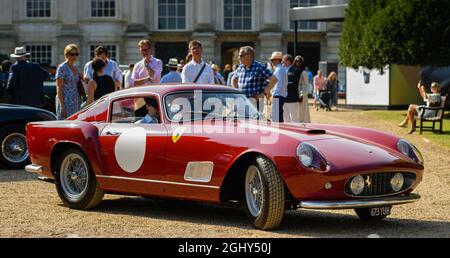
x=14, y=148
x=74, y=176
x=254, y=191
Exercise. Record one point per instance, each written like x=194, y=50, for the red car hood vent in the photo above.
x=316, y=131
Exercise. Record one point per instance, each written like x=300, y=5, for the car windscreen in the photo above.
x=203, y=105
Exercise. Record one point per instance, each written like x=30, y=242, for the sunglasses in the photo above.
x=74, y=54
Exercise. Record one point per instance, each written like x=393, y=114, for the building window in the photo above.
x=112, y=50
x=238, y=14
x=172, y=14
x=103, y=8
x=304, y=25
x=38, y=8
x=41, y=54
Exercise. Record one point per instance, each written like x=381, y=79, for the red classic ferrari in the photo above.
x=209, y=143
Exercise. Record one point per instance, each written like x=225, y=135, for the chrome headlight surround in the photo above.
x=311, y=158
x=410, y=151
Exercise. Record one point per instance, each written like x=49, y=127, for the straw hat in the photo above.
x=173, y=63
x=276, y=56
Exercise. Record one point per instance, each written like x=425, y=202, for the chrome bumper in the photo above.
x=359, y=203
x=33, y=169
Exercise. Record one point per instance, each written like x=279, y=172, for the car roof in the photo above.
x=169, y=88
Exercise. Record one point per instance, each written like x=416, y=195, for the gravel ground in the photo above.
x=30, y=208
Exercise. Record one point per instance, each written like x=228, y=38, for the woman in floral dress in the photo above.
x=68, y=99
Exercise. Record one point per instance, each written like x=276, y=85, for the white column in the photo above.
x=137, y=12
x=6, y=12
x=68, y=11
x=270, y=12
x=203, y=13
x=270, y=42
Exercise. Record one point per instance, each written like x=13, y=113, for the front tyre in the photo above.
x=75, y=181
x=264, y=194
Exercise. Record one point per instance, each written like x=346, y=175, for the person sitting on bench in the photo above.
x=432, y=99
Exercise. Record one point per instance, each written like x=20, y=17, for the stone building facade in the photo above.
x=47, y=26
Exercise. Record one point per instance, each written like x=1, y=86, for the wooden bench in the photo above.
x=439, y=118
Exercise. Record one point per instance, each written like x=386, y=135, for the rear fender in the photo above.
x=48, y=139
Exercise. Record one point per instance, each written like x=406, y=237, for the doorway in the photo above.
x=167, y=50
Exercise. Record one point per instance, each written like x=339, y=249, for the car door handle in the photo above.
x=110, y=133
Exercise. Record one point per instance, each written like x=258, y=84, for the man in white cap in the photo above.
x=280, y=91
x=26, y=81
x=173, y=76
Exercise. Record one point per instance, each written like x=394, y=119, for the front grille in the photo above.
x=379, y=184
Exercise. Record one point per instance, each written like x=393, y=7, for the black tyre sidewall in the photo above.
x=4, y=132
x=91, y=188
x=259, y=221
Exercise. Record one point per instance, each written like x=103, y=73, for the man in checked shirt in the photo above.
x=253, y=78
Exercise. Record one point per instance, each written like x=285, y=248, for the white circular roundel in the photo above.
x=130, y=149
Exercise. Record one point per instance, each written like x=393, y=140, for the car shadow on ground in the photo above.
x=300, y=223
x=8, y=176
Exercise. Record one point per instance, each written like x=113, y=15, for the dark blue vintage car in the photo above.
x=49, y=94
x=13, y=145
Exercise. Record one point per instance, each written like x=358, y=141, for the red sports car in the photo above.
x=209, y=143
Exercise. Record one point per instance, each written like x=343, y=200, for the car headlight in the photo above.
x=410, y=151
x=310, y=157
x=357, y=185
x=397, y=182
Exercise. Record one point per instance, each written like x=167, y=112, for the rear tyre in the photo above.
x=13, y=147
x=264, y=194
x=75, y=181
x=368, y=215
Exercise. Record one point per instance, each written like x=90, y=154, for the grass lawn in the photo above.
x=396, y=117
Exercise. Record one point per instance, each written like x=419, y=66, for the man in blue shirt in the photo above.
x=280, y=90
x=253, y=78
x=173, y=76
x=111, y=68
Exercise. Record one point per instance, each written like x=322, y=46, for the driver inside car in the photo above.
x=152, y=116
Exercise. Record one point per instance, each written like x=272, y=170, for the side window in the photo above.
x=136, y=110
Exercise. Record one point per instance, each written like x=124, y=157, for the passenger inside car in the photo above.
x=152, y=116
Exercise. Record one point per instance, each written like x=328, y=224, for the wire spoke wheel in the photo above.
x=254, y=191
x=14, y=148
x=74, y=176
x=75, y=181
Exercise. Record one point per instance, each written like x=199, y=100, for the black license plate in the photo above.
x=380, y=211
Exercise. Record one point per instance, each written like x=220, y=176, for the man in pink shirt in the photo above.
x=148, y=70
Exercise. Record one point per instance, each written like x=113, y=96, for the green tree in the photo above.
x=386, y=32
